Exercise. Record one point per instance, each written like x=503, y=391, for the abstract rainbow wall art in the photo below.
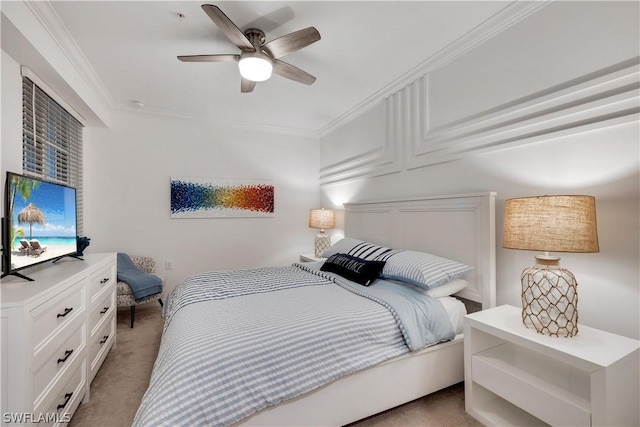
x=221, y=197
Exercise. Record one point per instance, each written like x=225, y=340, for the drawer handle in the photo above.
x=104, y=310
x=66, y=356
x=105, y=280
x=67, y=398
x=66, y=311
x=104, y=339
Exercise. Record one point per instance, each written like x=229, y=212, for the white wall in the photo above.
x=127, y=174
x=11, y=118
x=127, y=170
x=485, y=122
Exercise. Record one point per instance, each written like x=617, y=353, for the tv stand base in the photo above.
x=76, y=256
x=15, y=273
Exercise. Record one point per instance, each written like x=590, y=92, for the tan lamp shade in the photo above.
x=551, y=224
x=321, y=218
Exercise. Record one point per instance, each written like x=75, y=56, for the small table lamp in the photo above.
x=322, y=219
x=557, y=224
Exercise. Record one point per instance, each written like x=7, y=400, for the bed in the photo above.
x=393, y=366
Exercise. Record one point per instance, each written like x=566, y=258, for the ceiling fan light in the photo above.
x=254, y=68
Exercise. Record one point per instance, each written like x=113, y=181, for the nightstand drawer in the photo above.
x=49, y=318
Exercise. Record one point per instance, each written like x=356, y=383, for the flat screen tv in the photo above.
x=40, y=223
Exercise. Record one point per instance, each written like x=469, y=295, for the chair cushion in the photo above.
x=125, y=296
x=123, y=289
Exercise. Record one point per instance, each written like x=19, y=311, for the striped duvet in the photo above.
x=236, y=342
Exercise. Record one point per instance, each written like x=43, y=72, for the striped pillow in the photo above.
x=417, y=268
x=422, y=269
x=370, y=251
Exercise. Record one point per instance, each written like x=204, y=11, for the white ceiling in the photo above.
x=365, y=46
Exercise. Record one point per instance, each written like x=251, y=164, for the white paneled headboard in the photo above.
x=458, y=227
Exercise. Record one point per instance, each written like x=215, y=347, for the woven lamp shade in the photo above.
x=550, y=224
x=321, y=218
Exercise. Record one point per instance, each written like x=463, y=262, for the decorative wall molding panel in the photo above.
x=375, y=162
x=603, y=98
x=501, y=21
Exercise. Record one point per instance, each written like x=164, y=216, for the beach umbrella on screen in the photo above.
x=31, y=214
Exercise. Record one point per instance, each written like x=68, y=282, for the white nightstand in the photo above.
x=515, y=376
x=310, y=258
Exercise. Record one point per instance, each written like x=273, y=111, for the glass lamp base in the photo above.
x=550, y=299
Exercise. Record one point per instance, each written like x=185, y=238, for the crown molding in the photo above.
x=499, y=22
x=51, y=22
x=246, y=126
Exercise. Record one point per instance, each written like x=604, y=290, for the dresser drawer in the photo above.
x=50, y=317
x=101, y=279
x=100, y=344
x=59, y=405
x=101, y=309
x=57, y=363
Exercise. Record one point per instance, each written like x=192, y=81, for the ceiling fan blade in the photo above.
x=292, y=42
x=247, y=85
x=229, y=29
x=209, y=58
x=291, y=72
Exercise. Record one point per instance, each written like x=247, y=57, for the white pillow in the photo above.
x=448, y=289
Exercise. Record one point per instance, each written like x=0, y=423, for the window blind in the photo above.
x=51, y=143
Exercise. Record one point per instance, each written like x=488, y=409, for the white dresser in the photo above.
x=56, y=331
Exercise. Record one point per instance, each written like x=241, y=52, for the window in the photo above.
x=51, y=142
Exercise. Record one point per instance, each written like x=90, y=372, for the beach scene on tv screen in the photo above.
x=42, y=221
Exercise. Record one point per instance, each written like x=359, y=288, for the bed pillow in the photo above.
x=423, y=269
x=353, y=268
x=417, y=268
x=448, y=289
x=342, y=246
x=452, y=287
x=370, y=251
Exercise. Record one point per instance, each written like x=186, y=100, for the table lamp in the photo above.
x=550, y=224
x=322, y=219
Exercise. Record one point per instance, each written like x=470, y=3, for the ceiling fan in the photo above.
x=258, y=58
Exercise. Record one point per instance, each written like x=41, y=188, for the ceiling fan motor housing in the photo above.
x=255, y=36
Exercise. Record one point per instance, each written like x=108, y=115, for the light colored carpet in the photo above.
x=119, y=385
